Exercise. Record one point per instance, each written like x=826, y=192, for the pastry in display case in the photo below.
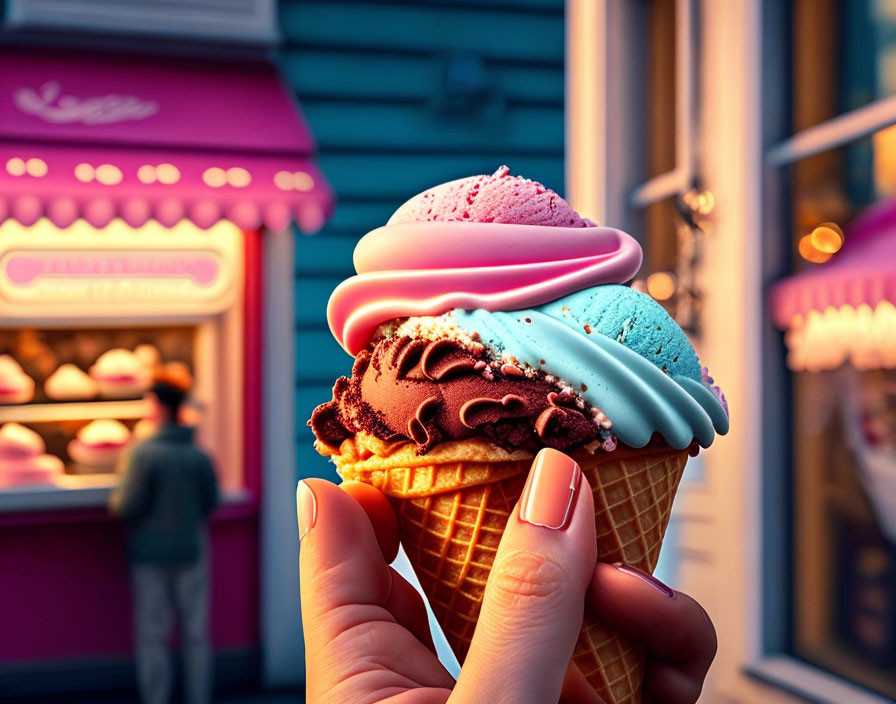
x=120, y=374
x=148, y=356
x=69, y=383
x=15, y=385
x=98, y=446
x=23, y=458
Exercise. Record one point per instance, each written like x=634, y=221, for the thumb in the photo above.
x=341, y=566
x=365, y=627
x=535, y=596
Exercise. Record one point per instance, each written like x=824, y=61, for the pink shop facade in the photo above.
x=147, y=214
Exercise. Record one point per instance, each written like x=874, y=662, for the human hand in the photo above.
x=367, y=635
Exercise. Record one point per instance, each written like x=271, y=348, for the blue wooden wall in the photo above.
x=403, y=95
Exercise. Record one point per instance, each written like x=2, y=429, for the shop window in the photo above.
x=840, y=403
x=89, y=317
x=81, y=391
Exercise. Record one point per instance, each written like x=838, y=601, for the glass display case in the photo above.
x=91, y=314
x=76, y=377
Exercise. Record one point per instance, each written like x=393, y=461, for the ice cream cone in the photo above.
x=454, y=502
x=489, y=320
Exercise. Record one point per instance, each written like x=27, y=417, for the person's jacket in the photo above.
x=168, y=488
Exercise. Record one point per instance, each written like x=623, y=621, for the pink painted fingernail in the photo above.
x=645, y=577
x=306, y=506
x=550, y=490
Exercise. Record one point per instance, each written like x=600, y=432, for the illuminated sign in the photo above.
x=82, y=272
x=25, y=269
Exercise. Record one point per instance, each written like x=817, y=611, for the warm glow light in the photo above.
x=809, y=252
x=827, y=238
x=238, y=177
x=283, y=180
x=661, y=285
x=296, y=180
x=701, y=202
x=706, y=201
x=863, y=336
x=167, y=174
x=108, y=174
x=36, y=167
x=214, y=177
x=15, y=166
x=84, y=173
x=146, y=174
x=302, y=181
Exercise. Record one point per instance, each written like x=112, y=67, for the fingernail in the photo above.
x=645, y=577
x=306, y=505
x=550, y=490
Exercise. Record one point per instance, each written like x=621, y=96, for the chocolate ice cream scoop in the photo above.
x=430, y=391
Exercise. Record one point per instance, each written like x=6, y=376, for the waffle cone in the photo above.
x=454, y=502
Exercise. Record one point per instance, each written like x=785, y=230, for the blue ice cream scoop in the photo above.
x=622, y=352
x=634, y=320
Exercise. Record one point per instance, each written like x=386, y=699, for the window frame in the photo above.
x=771, y=664
x=733, y=523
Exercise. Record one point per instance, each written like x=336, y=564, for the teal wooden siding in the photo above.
x=402, y=95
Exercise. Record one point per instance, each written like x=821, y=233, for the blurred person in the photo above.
x=367, y=635
x=167, y=491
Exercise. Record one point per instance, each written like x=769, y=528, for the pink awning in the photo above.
x=98, y=136
x=864, y=271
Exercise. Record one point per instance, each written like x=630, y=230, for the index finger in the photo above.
x=669, y=625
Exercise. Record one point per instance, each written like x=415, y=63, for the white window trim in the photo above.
x=834, y=133
x=812, y=683
x=728, y=581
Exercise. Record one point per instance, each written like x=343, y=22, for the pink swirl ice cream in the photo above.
x=502, y=243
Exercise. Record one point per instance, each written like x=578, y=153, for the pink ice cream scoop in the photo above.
x=495, y=242
x=496, y=198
